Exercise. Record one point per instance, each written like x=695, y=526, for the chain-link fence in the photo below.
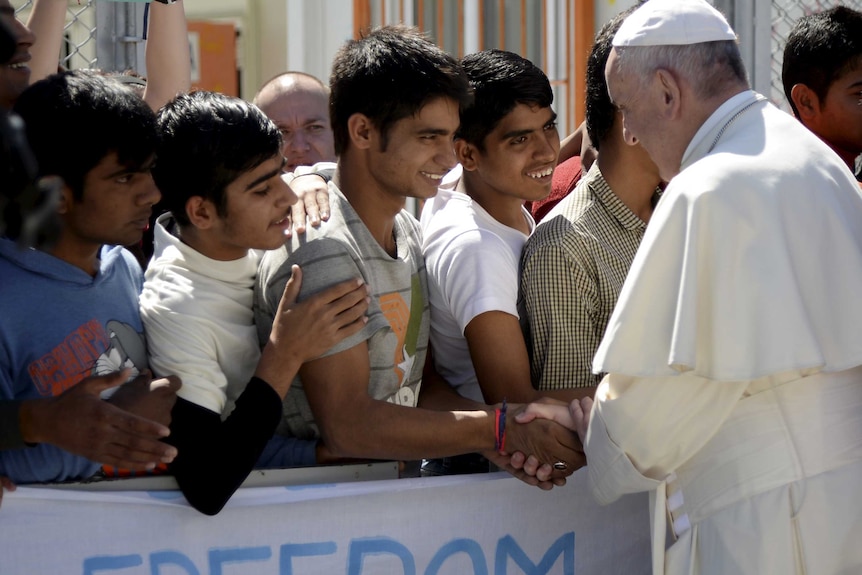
x=106, y=35
x=785, y=13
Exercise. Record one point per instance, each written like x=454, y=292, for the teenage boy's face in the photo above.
x=115, y=207
x=520, y=153
x=419, y=151
x=257, y=208
x=840, y=121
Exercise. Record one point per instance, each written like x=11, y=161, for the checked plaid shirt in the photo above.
x=572, y=270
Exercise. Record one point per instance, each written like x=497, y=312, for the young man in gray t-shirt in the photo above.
x=395, y=103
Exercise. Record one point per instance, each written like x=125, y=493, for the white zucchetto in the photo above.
x=673, y=23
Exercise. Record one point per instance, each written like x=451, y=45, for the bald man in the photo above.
x=298, y=103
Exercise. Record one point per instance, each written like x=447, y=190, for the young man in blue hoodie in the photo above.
x=70, y=312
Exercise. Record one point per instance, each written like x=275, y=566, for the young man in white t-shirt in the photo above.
x=475, y=228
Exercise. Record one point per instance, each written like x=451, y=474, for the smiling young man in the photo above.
x=220, y=167
x=474, y=230
x=476, y=226
x=395, y=104
x=70, y=311
x=15, y=74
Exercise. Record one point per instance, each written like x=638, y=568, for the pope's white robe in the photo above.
x=733, y=389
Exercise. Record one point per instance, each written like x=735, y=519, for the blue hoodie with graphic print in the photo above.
x=59, y=325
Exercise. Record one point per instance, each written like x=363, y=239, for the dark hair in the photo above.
x=208, y=140
x=600, y=111
x=388, y=75
x=77, y=105
x=500, y=80
x=821, y=47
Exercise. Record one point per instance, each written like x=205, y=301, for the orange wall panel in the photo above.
x=213, y=47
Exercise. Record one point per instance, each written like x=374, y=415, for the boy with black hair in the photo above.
x=395, y=103
x=71, y=311
x=476, y=225
x=474, y=230
x=822, y=77
x=220, y=167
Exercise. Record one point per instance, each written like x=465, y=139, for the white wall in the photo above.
x=315, y=32
x=281, y=35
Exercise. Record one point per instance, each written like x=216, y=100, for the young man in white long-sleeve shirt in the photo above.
x=220, y=171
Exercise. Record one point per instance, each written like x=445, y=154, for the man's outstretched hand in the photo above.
x=80, y=422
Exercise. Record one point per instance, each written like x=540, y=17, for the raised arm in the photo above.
x=47, y=21
x=571, y=145
x=167, y=54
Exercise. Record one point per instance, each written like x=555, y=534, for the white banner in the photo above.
x=478, y=524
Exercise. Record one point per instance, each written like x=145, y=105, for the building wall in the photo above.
x=280, y=35
x=244, y=15
x=607, y=9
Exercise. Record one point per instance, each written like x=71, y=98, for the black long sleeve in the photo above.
x=214, y=456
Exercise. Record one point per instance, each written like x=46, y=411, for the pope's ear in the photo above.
x=670, y=92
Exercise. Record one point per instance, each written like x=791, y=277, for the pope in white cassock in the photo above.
x=734, y=386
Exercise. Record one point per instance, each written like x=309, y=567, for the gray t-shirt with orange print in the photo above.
x=398, y=316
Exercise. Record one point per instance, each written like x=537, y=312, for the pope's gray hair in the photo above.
x=709, y=67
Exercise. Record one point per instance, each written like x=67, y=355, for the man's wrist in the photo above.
x=277, y=369
x=500, y=427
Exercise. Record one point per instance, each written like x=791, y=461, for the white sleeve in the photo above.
x=642, y=429
x=476, y=273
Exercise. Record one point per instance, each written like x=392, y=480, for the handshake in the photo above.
x=552, y=433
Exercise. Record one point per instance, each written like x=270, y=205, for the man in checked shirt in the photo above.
x=575, y=263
